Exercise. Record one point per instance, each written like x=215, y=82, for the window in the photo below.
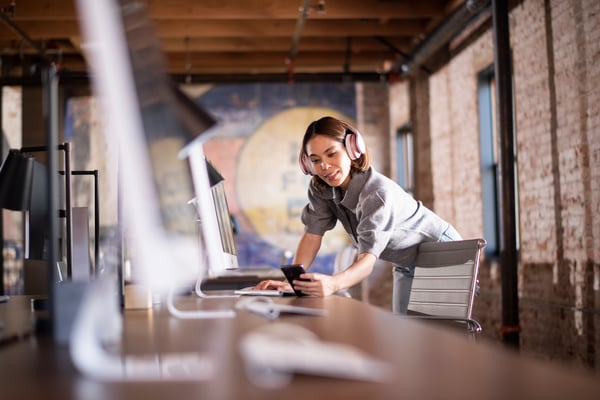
x=489, y=160
x=405, y=158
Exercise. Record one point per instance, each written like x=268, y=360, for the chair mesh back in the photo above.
x=446, y=278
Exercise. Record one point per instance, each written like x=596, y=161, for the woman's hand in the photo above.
x=273, y=285
x=325, y=285
x=320, y=285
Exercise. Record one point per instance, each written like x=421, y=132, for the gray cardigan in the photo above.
x=380, y=217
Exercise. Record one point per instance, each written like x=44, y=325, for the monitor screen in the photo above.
x=227, y=253
x=225, y=227
x=36, y=217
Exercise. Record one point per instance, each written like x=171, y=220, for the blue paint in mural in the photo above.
x=242, y=108
x=254, y=251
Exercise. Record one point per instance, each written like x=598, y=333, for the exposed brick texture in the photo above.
x=556, y=77
x=373, y=122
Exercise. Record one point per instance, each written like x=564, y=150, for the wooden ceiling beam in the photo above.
x=265, y=59
x=271, y=69
x=52, y=10
x=243, y=36
x=237, y=28
x=275, y=43
x=283, y=28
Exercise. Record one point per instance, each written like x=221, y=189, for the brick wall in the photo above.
x=373, y=120
x=555, y=49
x=556, y=53
x=455, y=163
x=419, y=116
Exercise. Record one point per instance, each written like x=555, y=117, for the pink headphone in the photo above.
x=355, y=147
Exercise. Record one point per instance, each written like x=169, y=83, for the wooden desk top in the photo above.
x=428, y=362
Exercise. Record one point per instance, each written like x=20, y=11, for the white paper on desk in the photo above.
x=272, y=354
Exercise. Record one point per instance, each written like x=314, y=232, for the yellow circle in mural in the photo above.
x=271, y=188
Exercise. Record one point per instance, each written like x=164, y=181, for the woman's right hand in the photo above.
x=273, y=285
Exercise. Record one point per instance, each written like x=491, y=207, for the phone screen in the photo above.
x=292, y=272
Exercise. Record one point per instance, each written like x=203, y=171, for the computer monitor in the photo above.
x=225, y=229
x=36, y=217
x=228, y=259
x=37, y=214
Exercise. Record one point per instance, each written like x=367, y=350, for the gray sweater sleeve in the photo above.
x=390, y=221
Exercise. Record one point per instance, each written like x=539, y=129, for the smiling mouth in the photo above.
x=331, y=176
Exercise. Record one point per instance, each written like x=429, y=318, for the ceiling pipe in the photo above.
x=304, y=9
x=289, y=61
x=348, y=56
x=298, y=31
x=391, y=46
x=461, y=17
x=8, y=22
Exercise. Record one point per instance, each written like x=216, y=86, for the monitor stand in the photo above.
x=99, y=326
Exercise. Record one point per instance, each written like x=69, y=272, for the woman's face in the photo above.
x=329, y=160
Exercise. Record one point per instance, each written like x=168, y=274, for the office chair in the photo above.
x=445, y=282
x=343, y=259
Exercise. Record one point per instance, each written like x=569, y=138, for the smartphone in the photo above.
x=292, y=272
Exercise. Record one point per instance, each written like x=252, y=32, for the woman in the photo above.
x=383, y=221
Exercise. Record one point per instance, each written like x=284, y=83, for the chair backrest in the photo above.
x=445, y=278
x=344, y=258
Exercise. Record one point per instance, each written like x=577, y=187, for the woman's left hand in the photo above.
x=319, y=285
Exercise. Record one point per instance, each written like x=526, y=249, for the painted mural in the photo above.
x=255, y=147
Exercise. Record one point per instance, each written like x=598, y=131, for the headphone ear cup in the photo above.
x=355, y=145
x=305, y=166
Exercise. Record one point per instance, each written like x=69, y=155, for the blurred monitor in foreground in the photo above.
x=157, y=130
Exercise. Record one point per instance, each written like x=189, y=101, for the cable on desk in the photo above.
x=195, y=314
x=201, y=294
x=260, y=305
